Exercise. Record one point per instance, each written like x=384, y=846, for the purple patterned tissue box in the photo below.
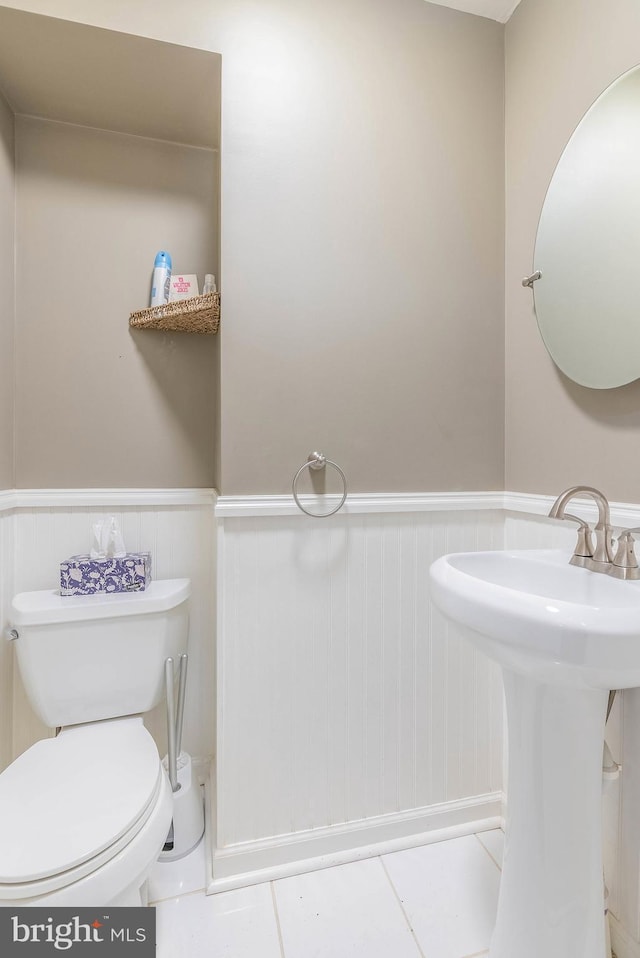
x=82, y=575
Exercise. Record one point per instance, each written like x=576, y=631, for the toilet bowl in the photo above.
x=84, y=815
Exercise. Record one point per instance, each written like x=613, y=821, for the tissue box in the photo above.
x=183, y=287
x=82, y=575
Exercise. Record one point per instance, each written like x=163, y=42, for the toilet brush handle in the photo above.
x=182, y=685
x=172, y=757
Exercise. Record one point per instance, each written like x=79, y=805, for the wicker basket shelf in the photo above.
x=200, y=314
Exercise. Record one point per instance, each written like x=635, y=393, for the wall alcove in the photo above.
x=108, y=152
x=116, y=143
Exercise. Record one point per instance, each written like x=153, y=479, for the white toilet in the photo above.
x=84, y=815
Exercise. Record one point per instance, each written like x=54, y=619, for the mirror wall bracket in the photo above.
x=530, y=280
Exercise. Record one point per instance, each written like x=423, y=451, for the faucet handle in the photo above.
x=625, y=563
x=584, y=545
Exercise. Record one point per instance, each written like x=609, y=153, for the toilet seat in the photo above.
x=70, y=804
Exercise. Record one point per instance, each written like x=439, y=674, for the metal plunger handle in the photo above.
x=172, y=756
x=182, y=685
x=175, y=716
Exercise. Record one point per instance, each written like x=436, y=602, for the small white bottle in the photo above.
x=161, y=282
x=209, y=284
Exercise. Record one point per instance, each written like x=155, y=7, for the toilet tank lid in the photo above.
x=48, y=606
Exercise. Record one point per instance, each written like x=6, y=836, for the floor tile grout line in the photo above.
x=402, y=909
x=499, y=867
x=182, y=894
x=277, y=917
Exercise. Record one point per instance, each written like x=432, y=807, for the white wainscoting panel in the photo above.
x=343, y=695
x=6, y=652
x=522, y=531
x=181, y=539
x=626, y=879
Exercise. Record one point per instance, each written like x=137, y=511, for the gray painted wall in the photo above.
x=96, y=404
x=7, y=262
x=363, y=247
x=362, y=254
x=559, y=58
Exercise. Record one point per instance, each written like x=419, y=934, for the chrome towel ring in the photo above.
x=316, y=461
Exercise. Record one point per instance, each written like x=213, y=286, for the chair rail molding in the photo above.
x=360, y=503
x=11, y=499
x=624, y=514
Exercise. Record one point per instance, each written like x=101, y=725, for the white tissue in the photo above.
x=107, y=540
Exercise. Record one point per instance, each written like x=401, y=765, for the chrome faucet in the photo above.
x=600, y=558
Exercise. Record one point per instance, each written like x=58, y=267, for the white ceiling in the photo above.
x=499, y=10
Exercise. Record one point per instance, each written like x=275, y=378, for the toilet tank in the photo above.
x=86, y=658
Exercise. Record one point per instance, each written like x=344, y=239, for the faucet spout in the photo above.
x=603, y=552
x=559, y=506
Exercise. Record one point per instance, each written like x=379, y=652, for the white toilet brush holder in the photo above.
x=188, y=812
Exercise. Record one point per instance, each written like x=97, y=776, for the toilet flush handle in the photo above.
x=11, y=634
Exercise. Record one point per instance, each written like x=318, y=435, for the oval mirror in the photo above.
x=587, y=300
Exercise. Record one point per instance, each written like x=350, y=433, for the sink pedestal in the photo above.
x=551, y=894
x=563, y=636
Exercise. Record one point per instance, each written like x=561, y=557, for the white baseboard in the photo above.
x=623, y=945
x=250, y=863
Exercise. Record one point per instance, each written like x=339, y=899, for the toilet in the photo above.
x=84, y=815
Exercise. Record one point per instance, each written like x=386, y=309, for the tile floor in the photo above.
x=434, y=901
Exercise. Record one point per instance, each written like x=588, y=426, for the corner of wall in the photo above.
x=7, y=377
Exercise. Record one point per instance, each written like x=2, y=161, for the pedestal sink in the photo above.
x=564, y=637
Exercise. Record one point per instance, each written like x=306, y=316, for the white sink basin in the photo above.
x=538, y=615
x=564, y=637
